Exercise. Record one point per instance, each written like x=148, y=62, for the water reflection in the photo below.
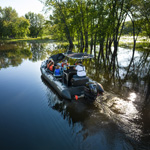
x=124, y=79
x=125, y=104
x=127, y=92
x=39, y=51
x=13, y=54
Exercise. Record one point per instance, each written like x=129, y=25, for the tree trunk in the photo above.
x=95, y=40
x=106, y=49
x=82, y=42
x=114, y=55
x=91, y=45
x=67, y=31
x=86, y=41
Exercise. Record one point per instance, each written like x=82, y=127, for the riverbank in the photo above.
x=142, y=42
x=125, y=41
x=44, y=39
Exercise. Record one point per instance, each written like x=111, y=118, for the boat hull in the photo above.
x=61, y=89
x=74, y=91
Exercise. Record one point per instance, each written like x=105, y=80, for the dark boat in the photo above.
x=68, y=86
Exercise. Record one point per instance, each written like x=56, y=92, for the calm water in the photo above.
x=34, y=117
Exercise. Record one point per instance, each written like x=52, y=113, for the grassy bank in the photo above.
x=125, y=41
x=28, y=39
x=141, y=43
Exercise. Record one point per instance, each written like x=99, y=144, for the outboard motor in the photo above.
x=100, y=88
x=90, y=91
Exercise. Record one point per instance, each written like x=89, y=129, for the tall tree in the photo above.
x=8, y=17
x=144, y=8
x=37, y=22
x=61, y=15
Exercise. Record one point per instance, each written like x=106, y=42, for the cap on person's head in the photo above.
x=79, y=62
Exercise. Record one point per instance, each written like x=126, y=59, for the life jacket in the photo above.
x=62, y=64
x=51, y=68
x=57, y=71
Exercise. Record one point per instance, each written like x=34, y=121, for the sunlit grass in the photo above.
x=38, y=39
x=142, y=42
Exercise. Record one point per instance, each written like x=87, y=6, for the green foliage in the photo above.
x=12, y=26
x=37, y=22
x=97, y=20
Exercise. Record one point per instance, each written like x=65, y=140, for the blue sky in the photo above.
x=23, y=6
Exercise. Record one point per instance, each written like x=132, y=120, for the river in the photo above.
x=34, y=117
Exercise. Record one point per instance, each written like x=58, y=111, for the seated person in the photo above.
x=64, y=63
x=57, y=71
x=65, y=66
x=51, y=66
x=76, y=63
x=80, y=70
x=59, y=64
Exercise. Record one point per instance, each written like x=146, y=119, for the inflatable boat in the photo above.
x=67, y=85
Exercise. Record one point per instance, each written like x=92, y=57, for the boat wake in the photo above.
x=123, y=112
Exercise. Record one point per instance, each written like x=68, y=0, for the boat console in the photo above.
x=79, y=81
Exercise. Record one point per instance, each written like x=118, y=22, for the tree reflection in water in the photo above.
x=127, y=96
x=13, y=54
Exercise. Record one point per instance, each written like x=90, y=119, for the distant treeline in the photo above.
x=12, y=26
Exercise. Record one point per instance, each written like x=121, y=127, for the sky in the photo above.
x=23, y=6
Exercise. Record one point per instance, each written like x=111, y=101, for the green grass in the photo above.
x=141, y=43
x=28, y=39
x=125, y=41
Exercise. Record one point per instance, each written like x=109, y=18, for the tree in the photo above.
x=22, y=28
x=37, y=22
x=8, y=16
x=61, y=17
x=127, y=30
x=144, y=8
x=1, y=22
x=98, y=23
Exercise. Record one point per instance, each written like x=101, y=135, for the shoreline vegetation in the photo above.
x=27, y=39
x=142, y=42
x=125, y=41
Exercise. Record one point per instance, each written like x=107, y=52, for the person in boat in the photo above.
x=49, y=63
x=51, y=67
x=65, y=62
x=80, y=70
x=57, y=71
x=65, y=66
